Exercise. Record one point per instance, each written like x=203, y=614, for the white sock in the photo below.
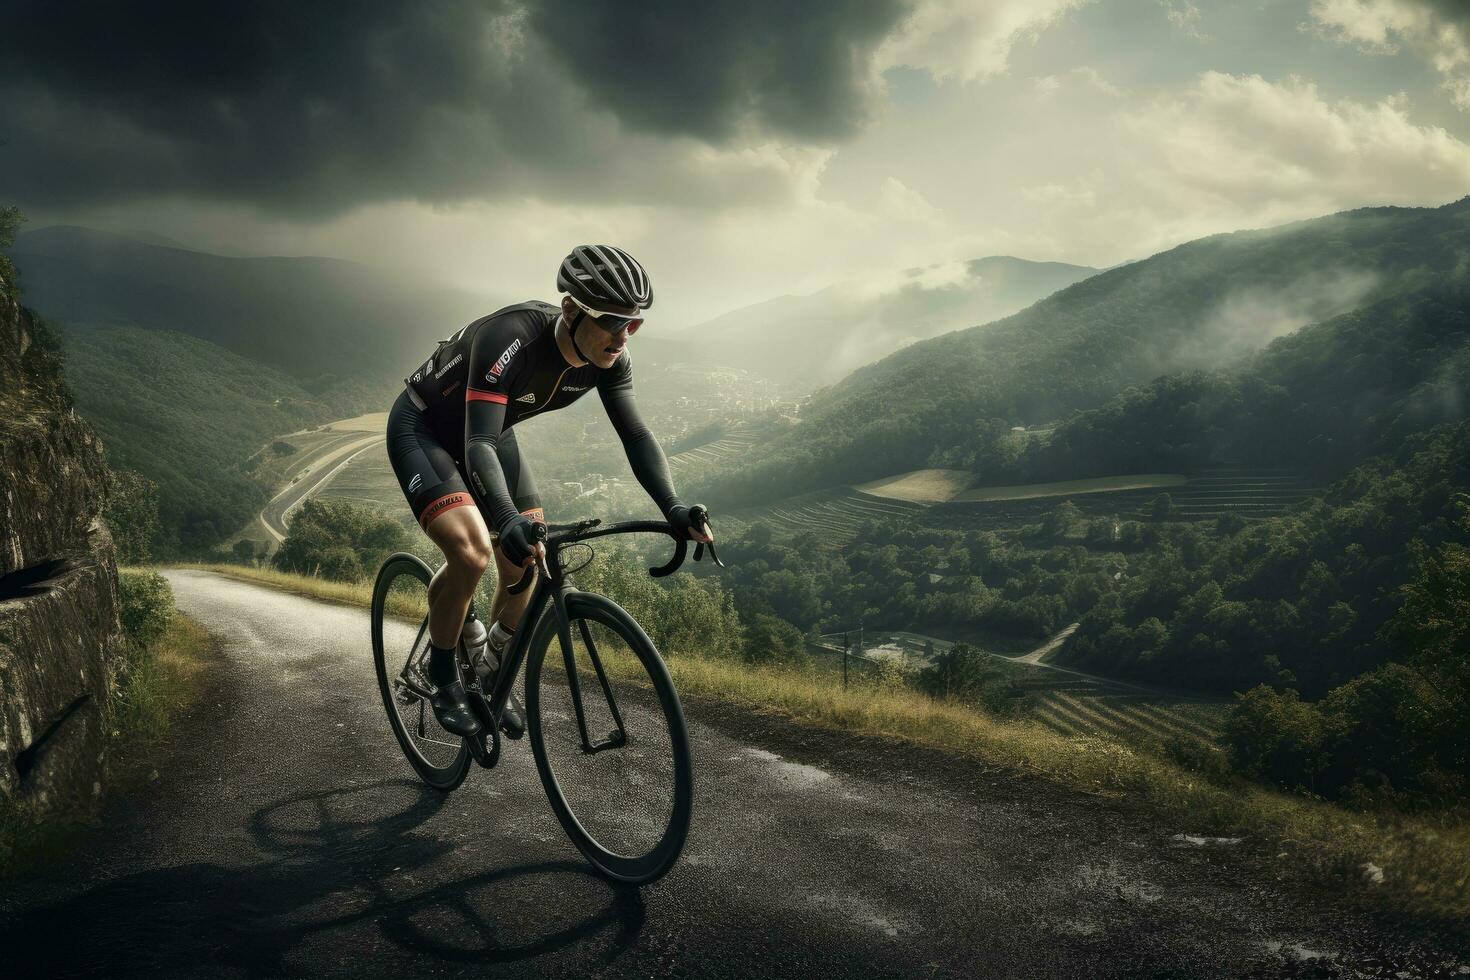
x=500, y=636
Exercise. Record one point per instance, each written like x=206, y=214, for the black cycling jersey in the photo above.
x=506, y=367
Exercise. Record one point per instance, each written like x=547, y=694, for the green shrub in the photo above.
x=337, y=540
x=961, y=672
x=770, y=639
x=145, y=606
x=679, y=613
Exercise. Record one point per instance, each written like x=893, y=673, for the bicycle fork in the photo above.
x=618, y=736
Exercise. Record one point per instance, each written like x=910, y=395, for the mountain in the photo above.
x=1324, y=398
x=809, y=341
x=185, y=413
x=340, y=328
x=952, y=401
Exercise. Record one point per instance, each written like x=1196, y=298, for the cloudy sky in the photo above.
x=740, y=150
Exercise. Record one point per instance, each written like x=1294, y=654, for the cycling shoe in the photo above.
x=512, y=718
x=451, y=705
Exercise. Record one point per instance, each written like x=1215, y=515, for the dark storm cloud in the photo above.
x=310, y=107
x=705, y=68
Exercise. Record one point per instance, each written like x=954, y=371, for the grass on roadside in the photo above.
x=1425, y=859
x=161, y=682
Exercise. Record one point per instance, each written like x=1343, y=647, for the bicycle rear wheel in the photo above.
x=400, y=653
x=627, y=808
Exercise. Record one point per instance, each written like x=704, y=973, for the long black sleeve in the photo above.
x=484, y=421
x=645, y=455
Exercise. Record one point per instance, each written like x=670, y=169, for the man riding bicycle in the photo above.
x=451, y=443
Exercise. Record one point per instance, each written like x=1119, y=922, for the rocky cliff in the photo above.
x=58, y=583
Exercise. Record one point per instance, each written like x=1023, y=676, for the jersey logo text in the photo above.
x=440, y=373
x=503, y=360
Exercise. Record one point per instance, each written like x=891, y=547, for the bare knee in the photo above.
x=468, y=553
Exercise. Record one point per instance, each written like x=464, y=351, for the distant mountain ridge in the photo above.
x=807, y=341
x=952, y=400
x=326, y=322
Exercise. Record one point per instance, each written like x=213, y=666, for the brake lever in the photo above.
x=524, y=583
x=700, y=546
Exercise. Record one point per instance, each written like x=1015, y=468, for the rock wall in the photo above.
x=58, y=581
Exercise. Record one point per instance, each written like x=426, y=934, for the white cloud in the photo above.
x=1383, y=26
x=965, y=39
x=1184, y=15
x=1048, y=85
x=1255, y=143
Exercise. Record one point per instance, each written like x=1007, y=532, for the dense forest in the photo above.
x=1347, y=618
x=1323, y=399
x=949, y=402
x=188, y=416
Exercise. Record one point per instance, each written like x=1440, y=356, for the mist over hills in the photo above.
x=337, y=327
x=805, y=342
x=1211, y=303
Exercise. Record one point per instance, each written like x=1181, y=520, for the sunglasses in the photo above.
x=613, y=323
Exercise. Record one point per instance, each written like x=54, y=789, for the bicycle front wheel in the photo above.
x=400, y=653
x=627, y=804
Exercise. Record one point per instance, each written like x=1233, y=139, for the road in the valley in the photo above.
x=312, y=479
x=286, y=836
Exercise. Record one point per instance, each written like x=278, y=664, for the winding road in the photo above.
x=313, y=478
x=286, y=836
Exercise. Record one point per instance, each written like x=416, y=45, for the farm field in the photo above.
x=1203, y=496
x=368, y=481
x=1065, y=701
x=839, y=511
x=1075, y=704
x=920, y=486
x=735, y=440
x=1068, y=488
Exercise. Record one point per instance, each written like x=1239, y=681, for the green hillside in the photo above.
x=346, y=332
x=1322, y=399
x=804, y=342
x=186, y=414
x=951, y=401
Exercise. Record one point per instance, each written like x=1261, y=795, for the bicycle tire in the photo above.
x=635, y=869
x=446, y=777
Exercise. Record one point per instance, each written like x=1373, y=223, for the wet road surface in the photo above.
x=287, y=836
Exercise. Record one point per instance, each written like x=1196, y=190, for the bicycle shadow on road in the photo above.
x=325, y=885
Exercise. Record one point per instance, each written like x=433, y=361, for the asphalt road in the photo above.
x=286, y=836
x=333, y=459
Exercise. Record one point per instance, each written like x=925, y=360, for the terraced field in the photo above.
x=368, y=481
x=1072, y=704
x=735, y=440
x=1207, y=495
x=837, y=512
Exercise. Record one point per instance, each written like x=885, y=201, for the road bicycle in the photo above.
x=624, y=798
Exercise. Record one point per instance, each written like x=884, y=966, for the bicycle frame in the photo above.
x=555, y=588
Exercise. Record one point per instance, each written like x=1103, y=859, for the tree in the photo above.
x=337, y=540
x=1059, y=522
x=769, y=639
x=1162, y=508
x=282, y=448
x=960, y=672
x=244, y=551
x=131, y=513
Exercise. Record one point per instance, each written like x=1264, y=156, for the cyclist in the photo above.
x=452, y=444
